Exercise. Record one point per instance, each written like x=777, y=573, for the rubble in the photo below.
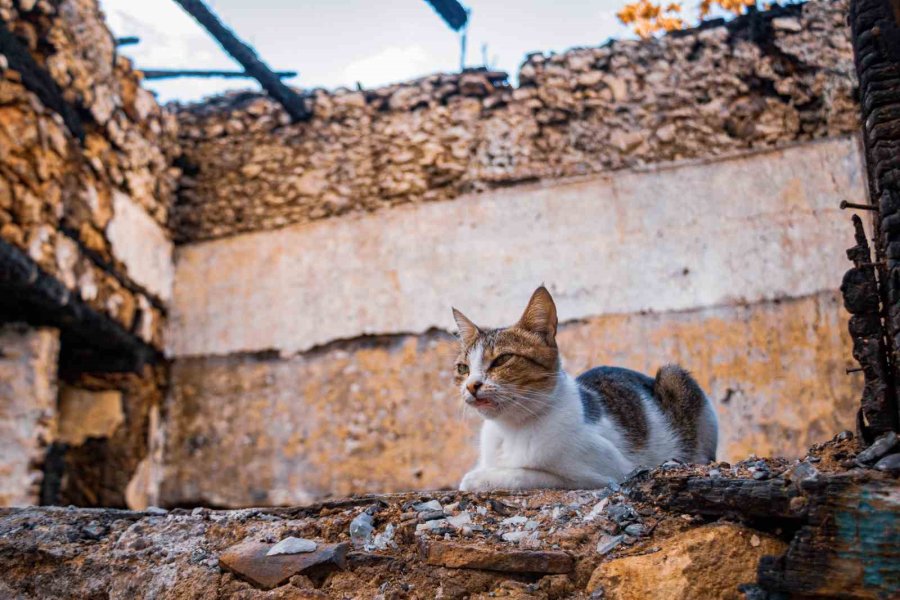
x=636, y=542
x=879, y=448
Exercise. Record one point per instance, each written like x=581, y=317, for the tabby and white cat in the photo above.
x=546, y=429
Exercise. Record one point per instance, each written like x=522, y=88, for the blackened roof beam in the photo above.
x=292, y=102
x=29, y=294
x=175, y=73
x=452, y=12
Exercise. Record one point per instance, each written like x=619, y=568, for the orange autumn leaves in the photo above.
x=647, y=18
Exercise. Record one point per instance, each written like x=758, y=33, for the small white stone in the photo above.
x=598, y=508
x=516, y=520
x=515, y=536
x=292, y=545
x=426, y=506
x=787, y=24
x=460, y=520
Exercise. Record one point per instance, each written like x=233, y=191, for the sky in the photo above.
x=335, y=43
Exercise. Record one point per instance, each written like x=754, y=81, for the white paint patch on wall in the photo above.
x=142, y=245
x=750, y=228
x=27, y=409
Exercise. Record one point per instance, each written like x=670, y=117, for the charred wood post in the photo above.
x=862, y=300
x=875, y=32
x=244, y=54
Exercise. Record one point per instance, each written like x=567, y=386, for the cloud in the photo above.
x=170, y=39
x=393, y=64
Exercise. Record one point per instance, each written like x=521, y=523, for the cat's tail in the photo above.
x=689, y=411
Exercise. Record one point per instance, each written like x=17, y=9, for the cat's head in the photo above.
x=510, y=373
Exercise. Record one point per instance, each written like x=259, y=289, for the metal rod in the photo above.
x=845, y=204
x=246, y=56
x=127, y=40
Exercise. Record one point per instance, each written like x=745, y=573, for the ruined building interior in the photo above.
x=222, y=325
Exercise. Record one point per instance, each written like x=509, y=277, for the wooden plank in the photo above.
x=90, y=338
x=175, y=73
x=849, y=547
x=246, y=56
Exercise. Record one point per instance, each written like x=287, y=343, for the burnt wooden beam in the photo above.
x=849, y=546
x=862, y=300
x=175, y=73
x=743, y=499
x=90, y=338
x=875, y=35
x=292, y=102
x=39, y=81
x=843, y=527
x=452, y=12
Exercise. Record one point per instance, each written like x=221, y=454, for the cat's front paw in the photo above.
x=477, y=480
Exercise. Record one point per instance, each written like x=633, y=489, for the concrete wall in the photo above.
x=28, y=359
x=384, y=415
x=728, y=266
x=752, y=228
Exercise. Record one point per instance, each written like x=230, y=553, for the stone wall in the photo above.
x=28, y=360
x=779, y=77
x=87, y=196
x=760, y=528
x=678, y=196
x=316, y=359
x=383, y=415
x=86, y=187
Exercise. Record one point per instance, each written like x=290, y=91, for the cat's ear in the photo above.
x=540, y=316
x=468, y=330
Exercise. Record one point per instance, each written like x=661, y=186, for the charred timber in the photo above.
x=91, y=340
x=844, y=527
x=452, y=12
x=862, y=300
x=176, y=73
x=742, y=499
x=875, y=34
x=246, y=56
x=848, y=547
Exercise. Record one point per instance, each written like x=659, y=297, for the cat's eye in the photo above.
x=501, y=360
x=462, y=368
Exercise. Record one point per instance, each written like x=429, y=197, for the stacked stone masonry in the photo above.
x=782, y=76
x=91, y=213
x=331, y=410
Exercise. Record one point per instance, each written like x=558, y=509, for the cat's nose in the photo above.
x=474, y=386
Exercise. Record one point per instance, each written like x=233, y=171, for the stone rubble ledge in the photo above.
x=676, y=532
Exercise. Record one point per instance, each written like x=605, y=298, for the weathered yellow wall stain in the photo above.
x=385, y=416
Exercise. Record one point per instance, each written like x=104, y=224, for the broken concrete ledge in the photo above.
x=815, y=527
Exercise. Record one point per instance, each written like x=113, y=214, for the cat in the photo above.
x=545, y=429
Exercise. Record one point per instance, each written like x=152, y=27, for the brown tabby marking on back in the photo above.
x=616, y=392
x=682, y=400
